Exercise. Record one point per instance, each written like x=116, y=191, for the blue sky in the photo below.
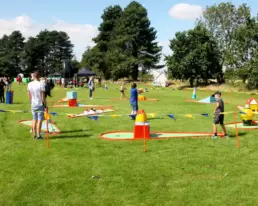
x=47, y=13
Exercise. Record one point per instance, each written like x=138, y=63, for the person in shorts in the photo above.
x=218, y=115
x=91, y=86
x=122, y=90
x=134, y=99
x=36, y=93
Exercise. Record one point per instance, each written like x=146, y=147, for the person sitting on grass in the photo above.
x=122, y=90
x=218, y=115
x=134, y=99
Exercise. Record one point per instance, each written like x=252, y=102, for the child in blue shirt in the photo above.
x=134, y=99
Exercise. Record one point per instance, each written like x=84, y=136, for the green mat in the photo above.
x=241, y=126
x=158, y=135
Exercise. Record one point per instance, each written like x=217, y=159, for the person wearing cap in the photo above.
x=218, y=115
x=36, y=93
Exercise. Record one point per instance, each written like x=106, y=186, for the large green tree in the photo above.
x=4, y=57
x=195, y=56
x=223, y=21
x=31, y=55
x=95, y=58
x=11, y=48
x=47, y=52
x=132, y=40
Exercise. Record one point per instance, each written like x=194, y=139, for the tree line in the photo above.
x=222, y=46
x=47, y=53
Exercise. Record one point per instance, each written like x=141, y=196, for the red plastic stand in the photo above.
x=72, y=102
x=142, y=130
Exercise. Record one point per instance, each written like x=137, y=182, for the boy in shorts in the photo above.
x=134, y=99
x=218, y=115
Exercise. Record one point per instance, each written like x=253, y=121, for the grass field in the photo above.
x=171, y=172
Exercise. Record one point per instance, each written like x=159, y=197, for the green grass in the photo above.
x=171, y=172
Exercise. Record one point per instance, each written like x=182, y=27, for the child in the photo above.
x=134, y=99
x=122, y=90
x=74, y=82
x=218, y=117
x=91, y=86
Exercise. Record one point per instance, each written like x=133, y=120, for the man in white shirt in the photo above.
x=63, y=82
x=36, y=93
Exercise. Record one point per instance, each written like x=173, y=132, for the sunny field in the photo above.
x=171, y=172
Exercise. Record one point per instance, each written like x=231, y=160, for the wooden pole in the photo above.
x=144, y=138
x=237, y=137
x=231, y=97
x=61, y=92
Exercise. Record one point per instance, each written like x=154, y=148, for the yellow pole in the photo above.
x=237, y=137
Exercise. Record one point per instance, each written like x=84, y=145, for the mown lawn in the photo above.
x=171, y=172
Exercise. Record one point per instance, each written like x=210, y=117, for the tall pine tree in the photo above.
x=96, y=57
x=134, y=42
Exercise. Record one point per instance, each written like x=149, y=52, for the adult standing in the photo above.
x=63, y=82
x=2, y=87
x=36, y=93
x=9, y=84
x=19, y=79
x=91, y=86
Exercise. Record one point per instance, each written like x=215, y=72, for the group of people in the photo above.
x=48, y=85
x=218, y=118
x=5, y=84
x=39, y=89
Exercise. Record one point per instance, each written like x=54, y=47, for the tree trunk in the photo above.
x=191, y=80
x=135, y=72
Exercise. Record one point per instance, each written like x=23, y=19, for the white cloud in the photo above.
x=184, y=11
x=80, y=34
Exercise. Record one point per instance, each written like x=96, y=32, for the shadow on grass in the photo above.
x=240, y=134
x=74, y=131
x=71, y=136
x=155, y=118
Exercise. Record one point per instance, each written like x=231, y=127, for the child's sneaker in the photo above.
x=226, y=136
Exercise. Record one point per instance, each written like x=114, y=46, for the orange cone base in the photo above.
x=141, y=130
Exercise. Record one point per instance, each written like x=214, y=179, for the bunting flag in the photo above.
x=190, y=116
x=172, y=116
x=133, y=116
x=53, y=113
x=47, y=116
x=95, y=118
x=115, y=116
x=152, y=115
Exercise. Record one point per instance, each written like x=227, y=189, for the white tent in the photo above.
x=159, y=78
